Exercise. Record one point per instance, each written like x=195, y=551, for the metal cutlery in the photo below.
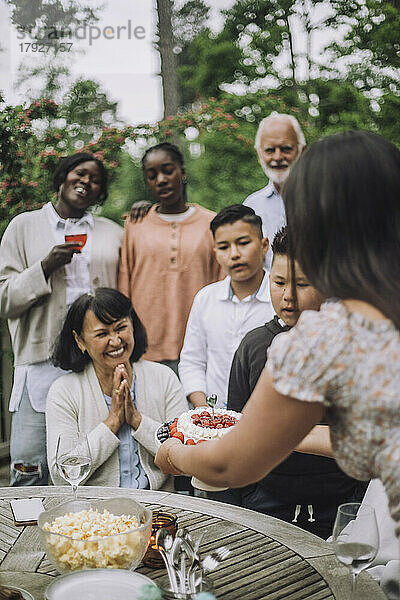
x=212, y=561
x=165, y=541
x=182, y=560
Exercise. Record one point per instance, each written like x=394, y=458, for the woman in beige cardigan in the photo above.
x=40, y=276
x=111, y=394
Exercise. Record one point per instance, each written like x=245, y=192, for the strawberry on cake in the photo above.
x=198, y=425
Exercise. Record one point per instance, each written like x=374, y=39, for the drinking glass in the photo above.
x=355, y=537
x=73, y=459
x=72, y=233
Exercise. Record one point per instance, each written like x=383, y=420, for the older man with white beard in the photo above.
x=279, y=143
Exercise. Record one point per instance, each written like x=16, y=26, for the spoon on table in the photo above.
x=165, y=542
x=178, y=555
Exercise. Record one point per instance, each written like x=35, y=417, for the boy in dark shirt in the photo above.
x=304, y=489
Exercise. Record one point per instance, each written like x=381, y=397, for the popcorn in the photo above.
x=88, y=545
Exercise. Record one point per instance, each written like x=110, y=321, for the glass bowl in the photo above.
x=118, y=551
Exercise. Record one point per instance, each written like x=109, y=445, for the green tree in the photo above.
x=265, y=30
x=43, y=79
x=86, y=109
x=208, y=62
x=344, y=87
x=41, y=16
x=371, y=46
x=388, y=117
x=50, y=23
x=165, y=46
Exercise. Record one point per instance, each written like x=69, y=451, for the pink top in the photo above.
x=163, y=265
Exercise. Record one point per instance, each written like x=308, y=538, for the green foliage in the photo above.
x=221, y=162
x=204, y=61
x=50, y=78
x=86, y=105
x=23, y=178
x=340, y=106
x=350, y=85
x=189, y=21
x=209, y=62
x=27, y=14
x=255, y=34
x=127, y=188
x=388, y=117
x=373, y=37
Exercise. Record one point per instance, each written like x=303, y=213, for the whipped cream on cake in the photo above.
x=198, y=424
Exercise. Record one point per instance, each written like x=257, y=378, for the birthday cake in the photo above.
x=200, y=424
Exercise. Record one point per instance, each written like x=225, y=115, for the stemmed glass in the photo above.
x=355, y=537
x=73, y=459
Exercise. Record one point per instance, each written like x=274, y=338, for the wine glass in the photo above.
x=355, y=537
x=73, y=459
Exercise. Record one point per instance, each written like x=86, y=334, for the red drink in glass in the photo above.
x=77, y=237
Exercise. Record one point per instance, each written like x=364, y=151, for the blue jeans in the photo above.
x=28, y=445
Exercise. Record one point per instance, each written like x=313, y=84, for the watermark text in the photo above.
x=55, y=36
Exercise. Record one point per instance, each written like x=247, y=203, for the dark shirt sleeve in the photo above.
x=247, y=365
x=239, y=389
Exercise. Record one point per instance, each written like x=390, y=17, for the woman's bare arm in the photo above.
x=318, y=441
x=271, y=426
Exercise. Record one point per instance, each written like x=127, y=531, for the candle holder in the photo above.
x=153, y=558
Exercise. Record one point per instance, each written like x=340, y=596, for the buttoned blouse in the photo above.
x=267, y=203
x=217, y=323
x=163, y=265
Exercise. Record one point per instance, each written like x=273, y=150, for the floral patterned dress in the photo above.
x=352, y=366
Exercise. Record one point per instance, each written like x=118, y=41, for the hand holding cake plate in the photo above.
x=196, y=426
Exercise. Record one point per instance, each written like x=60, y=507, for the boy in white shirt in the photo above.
x=223, y=312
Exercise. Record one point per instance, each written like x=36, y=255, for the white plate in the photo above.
x=196, y=483
x=200, y=485
x=97, y=584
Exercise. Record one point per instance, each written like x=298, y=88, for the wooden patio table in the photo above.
x=270, y=559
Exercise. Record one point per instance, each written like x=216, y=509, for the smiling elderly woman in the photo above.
x=112, y=395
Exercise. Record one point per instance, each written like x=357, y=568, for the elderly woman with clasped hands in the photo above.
x=111, y=394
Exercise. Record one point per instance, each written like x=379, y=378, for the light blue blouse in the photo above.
x=131, y=471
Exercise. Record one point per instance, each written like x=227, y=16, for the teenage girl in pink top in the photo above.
x=167, y=256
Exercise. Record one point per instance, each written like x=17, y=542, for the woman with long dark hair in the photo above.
x=343, y=210
x=41, y=274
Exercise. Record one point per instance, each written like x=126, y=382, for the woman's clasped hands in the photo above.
x=122, y=408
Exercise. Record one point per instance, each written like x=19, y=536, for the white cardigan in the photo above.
x=75, y=402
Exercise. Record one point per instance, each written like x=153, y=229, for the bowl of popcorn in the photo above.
x=96, y=534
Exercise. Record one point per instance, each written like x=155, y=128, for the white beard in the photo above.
x=277, y=176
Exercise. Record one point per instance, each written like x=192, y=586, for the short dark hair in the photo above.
x=280, y=243
x=236, y=212
x=342, y=201
x=173, y=151
x=68, y=163
x=108, y=305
